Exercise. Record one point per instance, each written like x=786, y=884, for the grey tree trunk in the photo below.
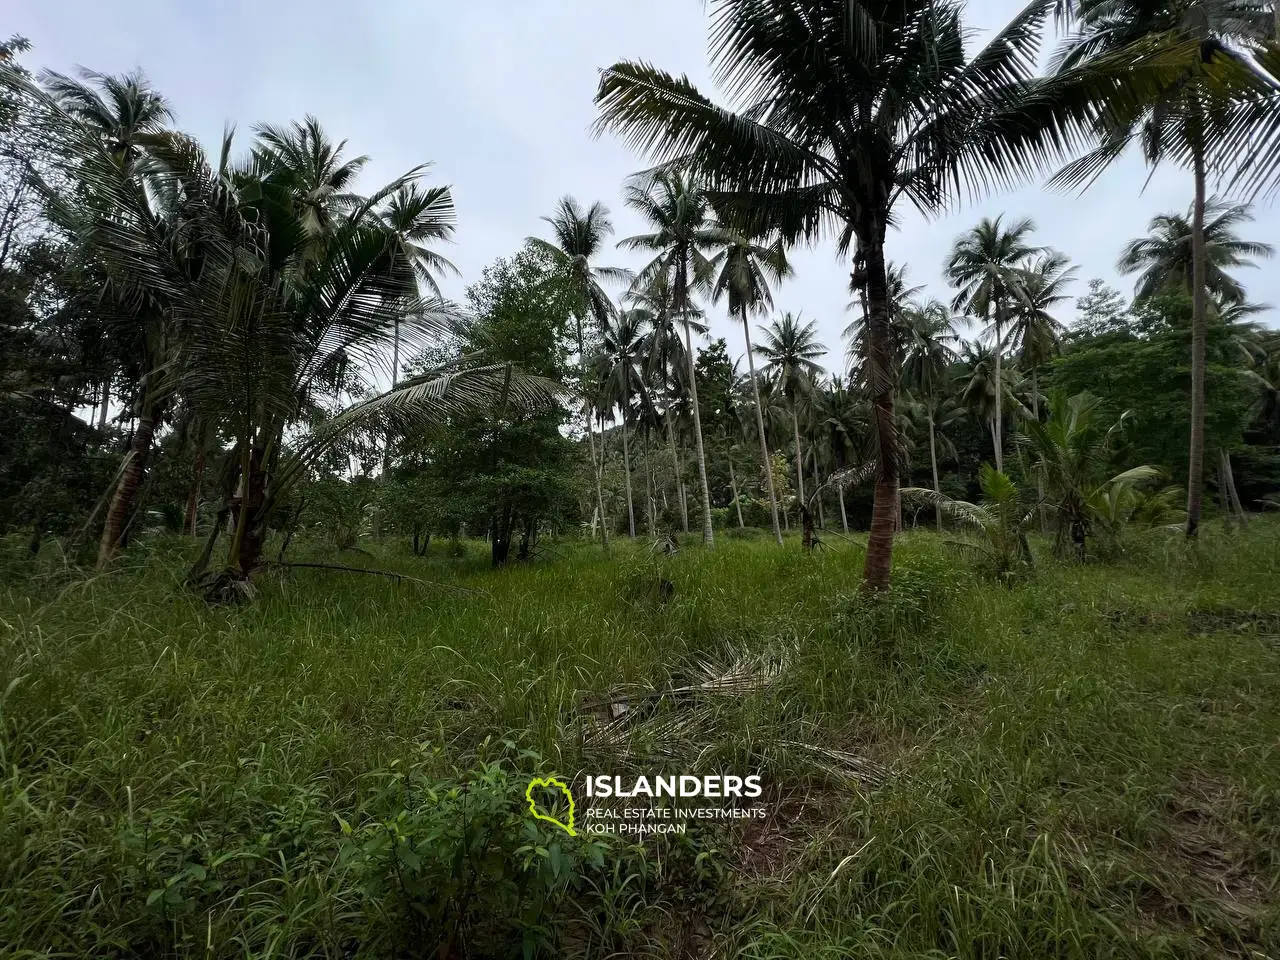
x=764, y=441
x=677, y=465
x=708, y=535
x=626, y=462
x=591, y=439
x=998, y=432
x=1199, y=311
x=844, y=519
x=1229, y=479
x=795, y=426
x=106, y=402
x=733, y=482
x=933, y=462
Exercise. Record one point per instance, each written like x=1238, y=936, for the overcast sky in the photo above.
x=498, y=95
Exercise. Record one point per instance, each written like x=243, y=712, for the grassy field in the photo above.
x=1084, y=765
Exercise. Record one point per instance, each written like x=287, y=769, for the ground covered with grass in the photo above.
x=1082, y=764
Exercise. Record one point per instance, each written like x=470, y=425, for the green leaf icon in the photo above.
x=550, y=783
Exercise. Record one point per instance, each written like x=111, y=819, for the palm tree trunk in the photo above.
x=997, y=433
x=1233, y=496
x=795, y=426
x=879, y=561
x=106, y=402
x=1035, y=412
x=197, y=478
x=591, y=439
x=733, y=482
x=126, y=492
x=933, y=462
x=817, y=492
x=648, y=481
x=844, y=518
x=626, y=462
x=678, y=465
x=764, y=442
x=1199, y=304
x=708, y=535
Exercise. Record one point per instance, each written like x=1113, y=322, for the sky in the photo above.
x=497, y=94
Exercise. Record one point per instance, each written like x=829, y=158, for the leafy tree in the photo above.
x=1101, y=311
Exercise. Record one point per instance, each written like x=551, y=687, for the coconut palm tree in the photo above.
x=121, y=109
x=985, y=397
x=621, y=351
x=929, y=344
x=1191, y=94
x=579, y=237
x=1163, y=259
x=1034, y=333
x=684, y=235
x=791, y=353
x=843, y=117
x=985, y=267
x=745, y=270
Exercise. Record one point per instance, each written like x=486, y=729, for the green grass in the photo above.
x=1086, y=764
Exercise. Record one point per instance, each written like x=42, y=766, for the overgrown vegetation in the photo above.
x=1076, y=764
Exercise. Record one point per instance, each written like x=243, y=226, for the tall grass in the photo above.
x=1081, y=765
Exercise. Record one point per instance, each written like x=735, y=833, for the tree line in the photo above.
x=231, y=325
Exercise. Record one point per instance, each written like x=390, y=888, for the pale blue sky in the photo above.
x=498, y=94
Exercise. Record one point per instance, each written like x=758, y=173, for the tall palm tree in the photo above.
x=1193, y=100
x=979, y=388
x=579, y=237
x=1035, y=334
x=684, y=233
x=844, y=116
x=745, y=271
x=791, y=353
x=621, y=350
x=984, y=266
x=1164, y=258
x=929, y=349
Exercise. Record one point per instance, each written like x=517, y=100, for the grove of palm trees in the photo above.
x=328, y=567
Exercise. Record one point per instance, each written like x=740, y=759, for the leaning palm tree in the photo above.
x=1194, y=95
x=845, y=112
x=579, y=237
x=684, y=232
x=984, y=267
x=621, y=351
x=791, y=353
x=746, y=269
x=1163, y=260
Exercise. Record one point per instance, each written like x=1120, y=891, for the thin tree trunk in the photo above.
x=1199, y=304
x=708, y=535
x=677, y=465
x=817, y=492
x=879, y=560
x=626, y=466
x=197, y=478
x=1233, y=497
x=591, y=438
x=795, y=426
x=648, y=482
x=933, y=462
x=126, y=492
x=998, y=432
x=844, y=518
x=733, y=482
x=106, y=402
x=1035, y=412
x=764, y=442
